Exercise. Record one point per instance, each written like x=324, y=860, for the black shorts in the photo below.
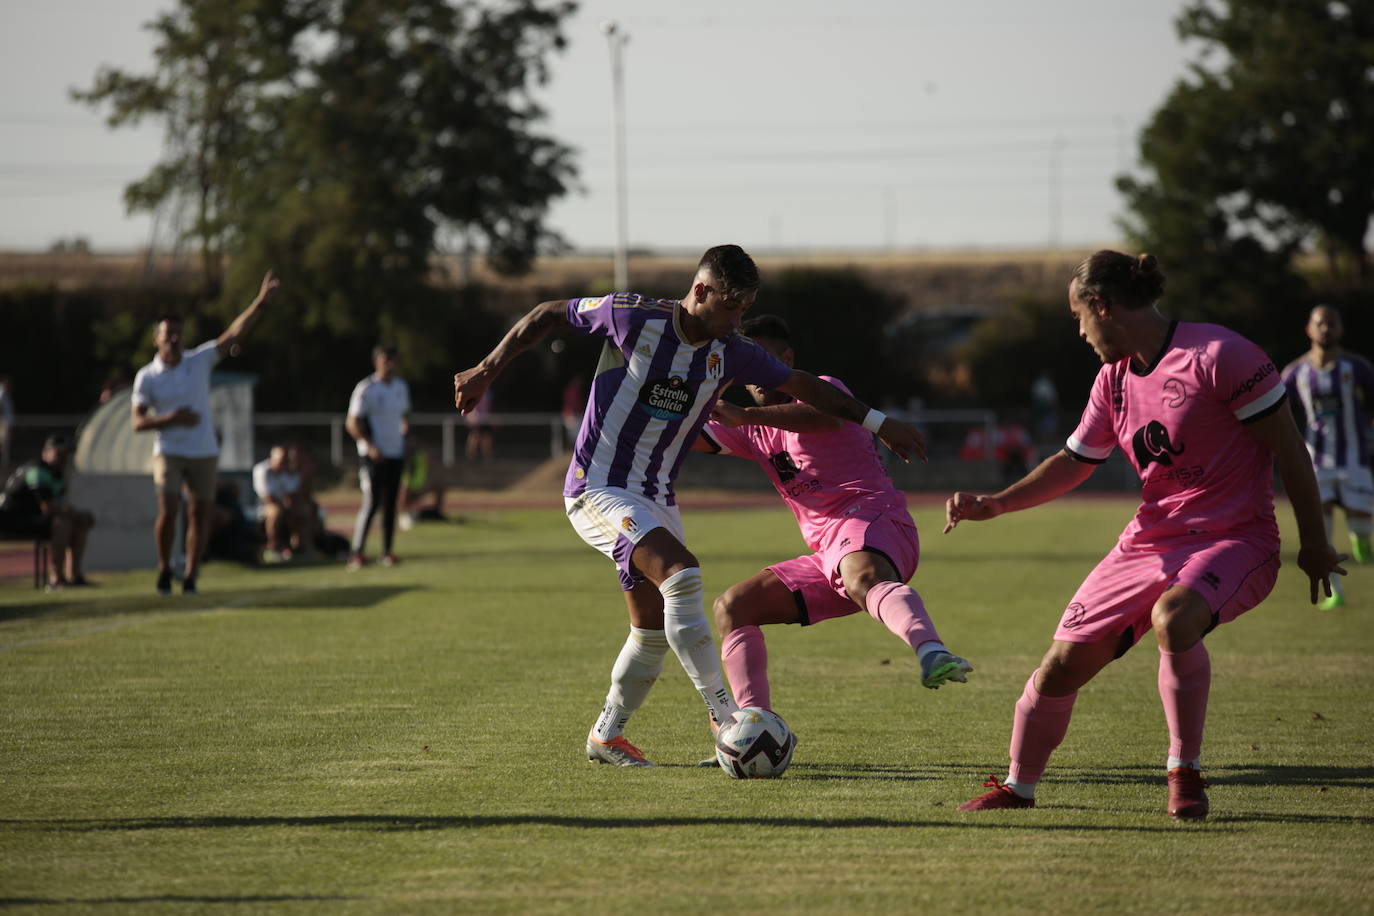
x=24, y=525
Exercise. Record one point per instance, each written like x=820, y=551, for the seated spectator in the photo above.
x=288, y=515
x=421, y=477
x=34, y=504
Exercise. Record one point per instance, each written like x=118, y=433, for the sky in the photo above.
x=800, y=125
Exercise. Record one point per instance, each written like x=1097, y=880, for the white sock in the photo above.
x=929, y=646
x=1176, y=762
x=1023, y=789
x=689, y=635
x=632, y=677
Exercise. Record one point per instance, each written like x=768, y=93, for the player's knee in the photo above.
x=730, y=612
x=1055, y=671
x=1178, y=621
x=686, y=634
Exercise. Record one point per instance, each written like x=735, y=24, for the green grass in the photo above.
x=410, y=739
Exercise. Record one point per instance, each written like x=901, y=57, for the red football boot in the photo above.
x=1000, y=797
x=1187, y=800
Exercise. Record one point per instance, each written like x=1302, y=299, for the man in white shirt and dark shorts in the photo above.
x=172, y=397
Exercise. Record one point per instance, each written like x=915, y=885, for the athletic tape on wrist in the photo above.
x=874, y=421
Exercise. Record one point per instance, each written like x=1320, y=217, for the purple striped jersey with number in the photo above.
x=1336, y=401
x=652, y=392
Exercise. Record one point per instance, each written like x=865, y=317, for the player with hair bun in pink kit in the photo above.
x=1200, y=412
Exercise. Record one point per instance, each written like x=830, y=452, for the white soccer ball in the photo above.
x=755, y=745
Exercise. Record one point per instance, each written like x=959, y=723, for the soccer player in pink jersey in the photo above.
x=663, y=365
x=856, y=522
x=1200, y=412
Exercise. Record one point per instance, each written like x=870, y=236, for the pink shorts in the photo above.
x=1231, y=575
x=815, y=578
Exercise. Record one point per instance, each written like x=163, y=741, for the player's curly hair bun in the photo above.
x=1120, y=280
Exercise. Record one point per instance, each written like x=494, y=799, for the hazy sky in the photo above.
x=799, y=124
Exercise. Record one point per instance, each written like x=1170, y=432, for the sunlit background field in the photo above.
x=410, y=739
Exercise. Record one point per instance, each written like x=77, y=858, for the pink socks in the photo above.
x=745, y=658
x=1037, y=729
x=899, y=608
x=1185, y=679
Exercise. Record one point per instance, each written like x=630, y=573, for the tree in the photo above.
x=1264, y=151
x=337, y=139
x=216, y=62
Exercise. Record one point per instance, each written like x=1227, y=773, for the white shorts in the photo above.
x=1350, y=488
x=613, y=520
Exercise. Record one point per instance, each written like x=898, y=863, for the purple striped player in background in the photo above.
x=1335, y=389
x=663, y=366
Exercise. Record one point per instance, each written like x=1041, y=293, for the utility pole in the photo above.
x=617, y=40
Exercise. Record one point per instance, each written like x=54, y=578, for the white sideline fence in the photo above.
x=449, y=424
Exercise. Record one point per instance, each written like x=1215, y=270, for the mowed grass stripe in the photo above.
x=409, y=739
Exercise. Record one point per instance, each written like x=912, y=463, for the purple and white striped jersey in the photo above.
x=1336, y=402
x=652, y=393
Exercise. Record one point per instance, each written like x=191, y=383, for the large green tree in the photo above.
x=340, y=141
x=1263, y=151
x=218, y=64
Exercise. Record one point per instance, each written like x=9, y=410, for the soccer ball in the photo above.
x=756, y=744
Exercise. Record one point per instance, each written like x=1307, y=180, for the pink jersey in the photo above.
x=1181, y=425
x=824, y=477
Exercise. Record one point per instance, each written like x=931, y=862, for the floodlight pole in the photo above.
x=617, y=40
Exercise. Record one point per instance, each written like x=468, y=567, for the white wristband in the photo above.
x=874, y=421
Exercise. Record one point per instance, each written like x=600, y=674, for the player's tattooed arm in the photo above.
x=470, y=384
x=1053, y=477
x=904, y=439
x=797, y=418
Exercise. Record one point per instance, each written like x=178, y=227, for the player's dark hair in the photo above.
x=733, y=269
x=769, y=326
x=1118, y=279
x=384, y=349
x=170, y=317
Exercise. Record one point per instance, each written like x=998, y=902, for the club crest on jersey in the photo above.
x=1151, y=444
x=786, y=467
x=1174, y=393
x=713, y=365
x=628, y=523
x=1074, y=615
x=666, y=398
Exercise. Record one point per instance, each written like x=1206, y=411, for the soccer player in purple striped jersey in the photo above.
x=1334, y=389
x=865, y=544
x=663, y=365
x=1199, y=412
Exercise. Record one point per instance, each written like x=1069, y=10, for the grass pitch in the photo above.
x=410, y=740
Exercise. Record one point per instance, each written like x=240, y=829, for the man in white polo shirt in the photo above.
x=378, y=418
x=172, y=397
